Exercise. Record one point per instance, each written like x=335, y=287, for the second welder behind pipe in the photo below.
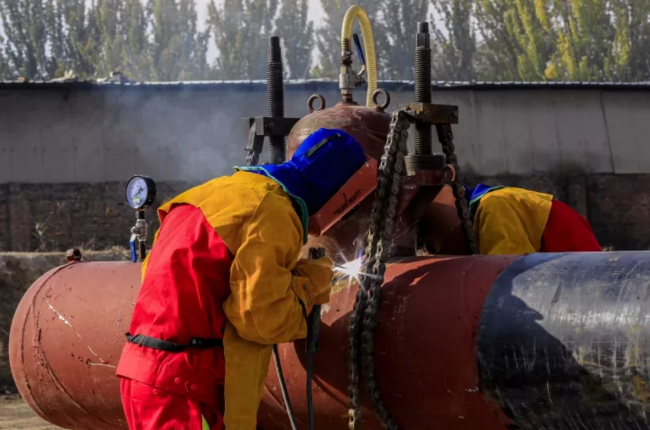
x=275, y=97
x=422, y=74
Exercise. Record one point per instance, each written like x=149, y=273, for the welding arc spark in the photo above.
x=352, y=269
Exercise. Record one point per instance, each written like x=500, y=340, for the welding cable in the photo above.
x=283, y=388
x=310, y=400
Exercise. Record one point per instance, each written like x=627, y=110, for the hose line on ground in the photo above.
x=358, y=14
x=283, y=388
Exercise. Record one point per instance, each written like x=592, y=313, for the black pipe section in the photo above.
x=564, y=341
x=423, y=85
x=275, y=97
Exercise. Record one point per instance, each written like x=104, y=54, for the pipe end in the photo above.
x=423, y=27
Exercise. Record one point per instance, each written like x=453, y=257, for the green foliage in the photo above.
x=107, y=14
x=576, y=40
x=5, y=66
x=137, y=61
x=533, y=40
x=518, y=39
x=25, y=27
x=584, y=39
x=229, y=38
x=455, y=48
x=241, y=30
x=297, y=34
x=601, y=40
x=178, y=49
x=395, y=36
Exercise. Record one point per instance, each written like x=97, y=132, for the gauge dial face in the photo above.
x=139, y=192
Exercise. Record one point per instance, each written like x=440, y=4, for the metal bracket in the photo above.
x=433, y=113
x=268, y=126
x=438, y=115
x=262, y=126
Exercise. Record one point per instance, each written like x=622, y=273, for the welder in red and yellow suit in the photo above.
x=223, y=283
x=509, y=220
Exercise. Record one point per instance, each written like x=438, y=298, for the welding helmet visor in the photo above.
x=346, y=175
x=327, y=177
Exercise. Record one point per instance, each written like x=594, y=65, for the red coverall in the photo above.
x=228, y=275
x=224, y=281
x=162, y=385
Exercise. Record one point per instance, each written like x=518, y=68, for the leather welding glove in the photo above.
x=312, y=281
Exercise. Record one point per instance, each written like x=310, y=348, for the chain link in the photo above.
x=446, y=138
x=365, y=313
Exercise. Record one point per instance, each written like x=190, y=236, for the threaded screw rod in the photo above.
x=275, y=97
x=423, y=85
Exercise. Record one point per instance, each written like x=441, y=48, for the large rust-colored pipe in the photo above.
x=540, y=342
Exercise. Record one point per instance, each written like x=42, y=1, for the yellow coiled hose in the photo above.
x=356, y=13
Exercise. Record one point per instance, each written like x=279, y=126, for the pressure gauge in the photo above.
x=140, y=192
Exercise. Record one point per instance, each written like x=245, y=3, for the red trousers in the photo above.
x=567, y=231
x=149, y=408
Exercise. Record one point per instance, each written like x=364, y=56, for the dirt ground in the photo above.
x=16, y=415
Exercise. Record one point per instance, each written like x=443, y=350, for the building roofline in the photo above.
x=317, y=84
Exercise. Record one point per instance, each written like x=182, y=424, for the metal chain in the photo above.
x=446, y=138
x=365, y=313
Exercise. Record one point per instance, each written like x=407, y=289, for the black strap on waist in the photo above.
x=164, y=345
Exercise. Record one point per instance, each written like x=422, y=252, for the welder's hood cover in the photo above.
x=321, y=165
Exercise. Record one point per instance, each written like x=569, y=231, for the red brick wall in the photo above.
x=95, y=216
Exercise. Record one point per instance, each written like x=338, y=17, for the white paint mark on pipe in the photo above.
x=61, y=317
x=66, y=322
x=90, y=363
